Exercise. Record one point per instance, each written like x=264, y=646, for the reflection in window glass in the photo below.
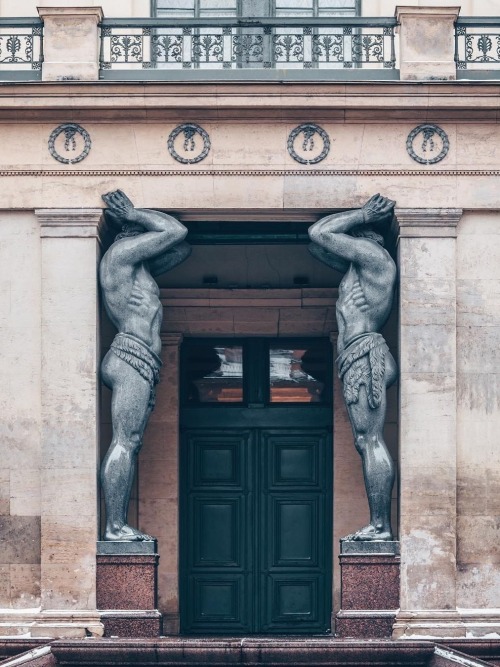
x=196, y=8
x=214, y=374
x=321, y=8
x=229, y=8
x=298, y=375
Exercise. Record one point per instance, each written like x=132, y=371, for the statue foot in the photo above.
x=369, y=534
x=126, y=534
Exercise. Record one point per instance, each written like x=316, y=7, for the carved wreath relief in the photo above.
x=308, y=143
x=427, y=144
x=69, y=143
x=188, y=143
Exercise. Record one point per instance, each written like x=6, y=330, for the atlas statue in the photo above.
x=352, y=242
x=147, y=243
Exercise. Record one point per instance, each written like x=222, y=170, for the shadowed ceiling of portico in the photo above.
x=250, y=254
x=250, y=266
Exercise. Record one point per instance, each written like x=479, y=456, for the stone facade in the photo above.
x=443, y=419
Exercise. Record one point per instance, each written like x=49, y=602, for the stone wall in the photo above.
x=478, y=409
x=20, y=426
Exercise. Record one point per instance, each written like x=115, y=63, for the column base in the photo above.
x=369, y=589
x=127, y=623
x=428, y=624
x=372, y=624
x=57, y=624
x=481, y=622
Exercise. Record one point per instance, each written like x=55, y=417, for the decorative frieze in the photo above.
x=308, y=143
x=69, y=143
x=184, y=139
x=427, y=144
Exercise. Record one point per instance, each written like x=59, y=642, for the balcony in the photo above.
x=21, y=49
x=257, y=49
x=248, y=49
x=477, y=47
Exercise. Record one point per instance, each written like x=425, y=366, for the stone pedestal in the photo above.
x=70, y=43
x=127, y=589
x=426, y=43
x=369, y=589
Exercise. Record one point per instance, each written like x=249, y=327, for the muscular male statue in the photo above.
x=350, y=242
x=148, y=244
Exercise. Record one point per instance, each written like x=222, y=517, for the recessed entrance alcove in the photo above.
x=248, y=474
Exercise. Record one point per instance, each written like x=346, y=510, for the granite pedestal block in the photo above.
x=369, y=589
x=127, y=589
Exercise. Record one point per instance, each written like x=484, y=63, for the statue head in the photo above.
x=368, y=232
x=128, y=231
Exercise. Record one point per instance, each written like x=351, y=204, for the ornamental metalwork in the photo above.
x=477, y=43
x=188, y=135
x=427, y=144
x=21, y=44
x=176, y=44
x=304, y=138
x=69, y=143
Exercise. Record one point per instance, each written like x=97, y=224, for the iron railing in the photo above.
x=477, y=47
x=21, y=48
x=247, y=48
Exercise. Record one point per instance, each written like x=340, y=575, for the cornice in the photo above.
x=70, y=222
x=148, y=101
x=428, y=222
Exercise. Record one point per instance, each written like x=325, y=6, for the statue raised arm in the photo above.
x=352, y=242
x=148, y=243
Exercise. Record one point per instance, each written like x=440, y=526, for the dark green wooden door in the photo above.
x=256, y=479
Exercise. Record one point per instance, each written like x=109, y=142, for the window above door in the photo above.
x=256, y=371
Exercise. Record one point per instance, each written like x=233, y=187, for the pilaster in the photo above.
x=69, y=434
x=428, y=423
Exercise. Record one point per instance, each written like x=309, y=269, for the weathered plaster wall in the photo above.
x=20, y=448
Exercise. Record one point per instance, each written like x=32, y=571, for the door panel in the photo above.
x=296, y=545
x=256, y=512
x=215, y=536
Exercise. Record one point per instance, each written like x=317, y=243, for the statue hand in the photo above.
x=377, y=208
x=120, y=206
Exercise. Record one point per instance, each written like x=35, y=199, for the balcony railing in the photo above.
x=294, y=48
x=21, y=48
x=477, y=47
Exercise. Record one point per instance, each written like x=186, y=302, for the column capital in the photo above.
x=428, y=222
x=71, y=12
x=447, y=12
x=70, y=222
x=171, y=339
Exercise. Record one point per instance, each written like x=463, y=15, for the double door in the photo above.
x=256, y=496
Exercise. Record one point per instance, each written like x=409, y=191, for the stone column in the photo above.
x=428, y=422
x=427, y=43
x=69, y=409
x=70, y=43
x=159, y=481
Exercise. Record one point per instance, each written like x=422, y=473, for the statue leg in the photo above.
x=129, y=416
x=378, y=467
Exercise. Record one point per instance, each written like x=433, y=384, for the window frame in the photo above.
x=154, y=8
